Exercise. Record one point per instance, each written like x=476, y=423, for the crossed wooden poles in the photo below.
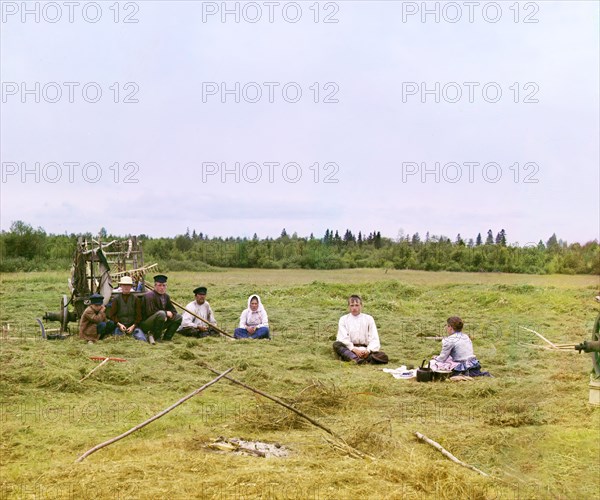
x=345, y=446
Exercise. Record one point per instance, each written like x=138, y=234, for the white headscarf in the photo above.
x=256, y=318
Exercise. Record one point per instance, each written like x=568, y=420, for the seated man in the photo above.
x=357, y=337
x=193, y=327
x=93, y=325
x=124, y=311
x=159, y=318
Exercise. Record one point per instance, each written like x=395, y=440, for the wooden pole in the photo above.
x=104, y=361
x=540, y=336
x=99, y=366
x=447, y=454
x=278, y=401
x=155, y=417
x=291, y=408
x=196, y=316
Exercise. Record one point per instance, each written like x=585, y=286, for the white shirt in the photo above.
x=359, y=329
x=202, y=310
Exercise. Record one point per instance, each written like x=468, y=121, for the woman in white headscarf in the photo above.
x=254, y=322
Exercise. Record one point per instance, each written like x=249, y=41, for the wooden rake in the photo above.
x=104, y=361
x=553, y=346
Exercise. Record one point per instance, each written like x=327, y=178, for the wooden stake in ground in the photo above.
x=296, y=411
x=540, y=336
x=447, y=454
x=155, y=417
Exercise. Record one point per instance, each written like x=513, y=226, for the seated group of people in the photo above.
x=358, y=341
x=357, y=338
x=153, y=317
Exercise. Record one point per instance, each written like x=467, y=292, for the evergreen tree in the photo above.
x=377, y=240
x=416, y=239
x=552, y=243
x=490, y=238
x=183, y=242
x=478, y=241
x=501, y=238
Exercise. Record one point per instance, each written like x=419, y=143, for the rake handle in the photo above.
x=106, y=360
x=98, y=358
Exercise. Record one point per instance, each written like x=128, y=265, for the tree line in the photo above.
x=23, y=248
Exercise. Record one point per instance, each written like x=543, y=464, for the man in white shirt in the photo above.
x=357, y=337
x=193, y=327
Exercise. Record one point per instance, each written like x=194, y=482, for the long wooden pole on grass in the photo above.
x=447, y=454
x=155, y=417
x=216, y=329
x=295, y=410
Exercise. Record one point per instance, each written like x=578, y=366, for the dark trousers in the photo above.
x=190, y=331
x=346, y=354
x=105, y=328
x=161, y=327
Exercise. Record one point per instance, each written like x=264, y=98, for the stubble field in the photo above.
x=529, y=427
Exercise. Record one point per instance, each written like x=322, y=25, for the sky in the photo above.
x=235, y=118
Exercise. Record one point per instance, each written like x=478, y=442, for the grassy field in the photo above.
x=529, y=427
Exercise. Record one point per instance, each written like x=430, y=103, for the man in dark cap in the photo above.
x=192, y=326
x=93, y=325
x=159, y=318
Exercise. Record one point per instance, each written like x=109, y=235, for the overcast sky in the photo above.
x=247, y=117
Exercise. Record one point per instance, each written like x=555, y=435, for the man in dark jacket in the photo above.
x=125, y=311
x=159, y=317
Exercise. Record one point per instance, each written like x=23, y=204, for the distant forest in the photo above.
x=24, y=248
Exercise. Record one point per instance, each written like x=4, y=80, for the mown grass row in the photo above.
x=529, y=426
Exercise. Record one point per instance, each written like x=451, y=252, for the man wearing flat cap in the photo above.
x=192, y=326
x=93, y=325
x=159, y=318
